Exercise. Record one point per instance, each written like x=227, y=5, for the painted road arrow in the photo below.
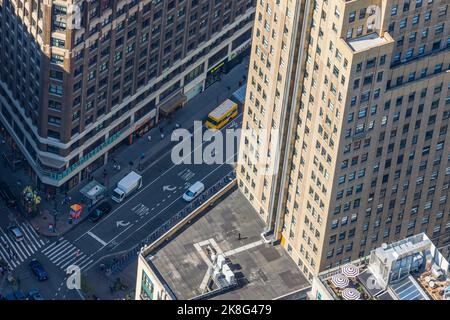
x=168, y=188
x=122, y=224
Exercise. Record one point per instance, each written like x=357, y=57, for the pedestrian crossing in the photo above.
x=16, y=252
x=63, y=253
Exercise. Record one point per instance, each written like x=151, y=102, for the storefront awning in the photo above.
x=172, y=104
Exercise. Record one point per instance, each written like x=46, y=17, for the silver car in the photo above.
x=16, y=233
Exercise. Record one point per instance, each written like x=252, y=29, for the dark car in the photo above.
x=10, y=296
x=38, y=270
x=7, y=195
x=34, y=294
x=20, y=295
x=100, y=211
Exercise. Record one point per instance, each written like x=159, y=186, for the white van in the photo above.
x=126, y=186
x=194, y=191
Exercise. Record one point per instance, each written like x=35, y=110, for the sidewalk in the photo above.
x=142, y=151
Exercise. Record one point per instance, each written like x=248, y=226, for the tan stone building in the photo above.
x=79, y=77
x=348, y=106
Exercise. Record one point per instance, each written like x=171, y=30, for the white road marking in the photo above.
x=97, y=238
x=86, y=264
x=50, y=246
x=15, y=247
x=78, y=262
x=34, y=233
x=63, y=253
x=49, y=252
x=69, y=254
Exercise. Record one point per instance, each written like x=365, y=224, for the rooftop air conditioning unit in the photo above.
x=220, y=261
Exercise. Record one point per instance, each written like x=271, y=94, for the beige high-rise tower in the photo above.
x=349, y=101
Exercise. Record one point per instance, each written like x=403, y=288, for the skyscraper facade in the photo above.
x=78, y=78
x=346, y=142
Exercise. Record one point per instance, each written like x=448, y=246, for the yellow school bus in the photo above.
x=222, y=114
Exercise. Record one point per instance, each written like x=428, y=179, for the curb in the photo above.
x=58, y=234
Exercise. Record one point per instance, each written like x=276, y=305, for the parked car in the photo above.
x=38, y=270
x=100, y=211
x=15, y=232
x=20, y=295
x=7, y=195
x=34, y=294
x=10, y=296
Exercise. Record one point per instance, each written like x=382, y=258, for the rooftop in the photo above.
x=410, y=269
x=366, y=42
x=259, y=270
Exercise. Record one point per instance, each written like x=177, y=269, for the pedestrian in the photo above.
x=162, y=136
x=149, y=138
x=118, y=167
x=177, y=125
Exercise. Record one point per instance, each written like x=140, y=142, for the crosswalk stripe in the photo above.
x=50, y=252
x=28, y=238
x=10, y=263
x=16, y=249
x=71, y=261
x=44, y=251
x=34, y=234
x=87, y=264
x=61, y=253
x=24, y=247
x=83, y=259
x=68, y=255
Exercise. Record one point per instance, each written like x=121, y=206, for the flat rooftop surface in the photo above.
x=366, y=42
x=263, y=271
